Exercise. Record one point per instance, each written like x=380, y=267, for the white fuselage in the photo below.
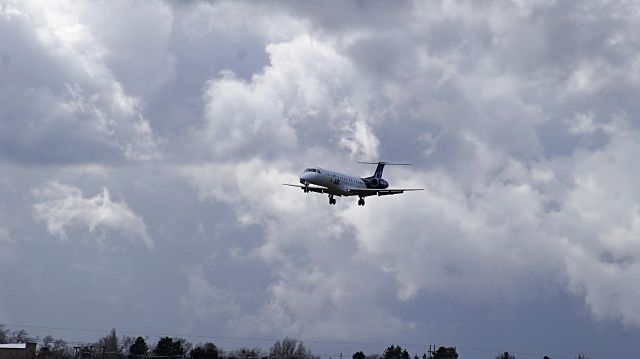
x=336, y=181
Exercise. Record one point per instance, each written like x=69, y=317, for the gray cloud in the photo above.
x=519, y=118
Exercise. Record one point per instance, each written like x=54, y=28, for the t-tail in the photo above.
x=376, y=181
x=378, y=173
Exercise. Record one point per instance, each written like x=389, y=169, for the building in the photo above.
x=18, y=351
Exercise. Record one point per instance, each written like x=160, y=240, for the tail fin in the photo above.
x=378, y=173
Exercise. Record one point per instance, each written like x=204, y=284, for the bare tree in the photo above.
x=20, y=336
x=246, y=353
x=289, y=348
x=506, y=355
x=110, y=345
x=4, y=338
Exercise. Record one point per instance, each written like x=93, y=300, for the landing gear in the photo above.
x=361, y=201
x=332, y=201
x=306, y=186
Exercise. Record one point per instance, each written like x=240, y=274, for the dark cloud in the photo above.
x=174, y=124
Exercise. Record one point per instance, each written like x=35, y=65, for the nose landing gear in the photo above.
x=332, y=201
x=361, y=201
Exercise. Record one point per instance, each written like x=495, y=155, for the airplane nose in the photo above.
x=304, y=177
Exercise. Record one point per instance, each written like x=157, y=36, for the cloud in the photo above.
x=5, y=235
x=493, y=223
x=206, y=301
x=519, y=118
x=291, y=101
x=600, y=222
x=60, y=102
x=63, y=207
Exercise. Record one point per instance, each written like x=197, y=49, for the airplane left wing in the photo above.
x=313, y=189
x=364, y=192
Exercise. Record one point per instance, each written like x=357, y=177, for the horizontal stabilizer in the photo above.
x=385, y=163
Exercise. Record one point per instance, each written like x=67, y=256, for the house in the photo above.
x=18, y=351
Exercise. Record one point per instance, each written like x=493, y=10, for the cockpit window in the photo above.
x=310, y=170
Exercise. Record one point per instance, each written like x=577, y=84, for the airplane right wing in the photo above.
x=381, y=192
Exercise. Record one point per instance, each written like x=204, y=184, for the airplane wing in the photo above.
x=364, y=192
x=313, y=189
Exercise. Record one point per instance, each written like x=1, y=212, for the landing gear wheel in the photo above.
x=332, y=200
x=361, y=202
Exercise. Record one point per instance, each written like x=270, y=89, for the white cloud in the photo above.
x=64, y=207
x=308, y=93
x=519, y=118
x=600, y=224
x=61, y=102
x=492, y=223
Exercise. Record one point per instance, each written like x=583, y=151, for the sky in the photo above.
x=143, y=145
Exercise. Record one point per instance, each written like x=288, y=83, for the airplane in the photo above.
x=339, y=184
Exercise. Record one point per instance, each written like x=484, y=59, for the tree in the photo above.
x=358, y=355
x=169, y=347
x=506, y=355
x=246, y=353
x=55, y=348
x=110, y=344
x=114, y=347
x=20, y=336
x=206, y=351
x=289, y=348
x=139, y=348
x=445, y=353
x=392, y=352
x=395, y=352
x=4, y=337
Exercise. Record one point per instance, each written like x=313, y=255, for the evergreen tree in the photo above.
x=445, y=353
x=169, y=347
x=206, y=351
x=139, y=348
x=392, y=352
x=358, y=355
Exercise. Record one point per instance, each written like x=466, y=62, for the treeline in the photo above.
x=113, y=346
x=126, y=347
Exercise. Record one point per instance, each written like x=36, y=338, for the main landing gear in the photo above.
x=361, y=201
x=332, y=201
